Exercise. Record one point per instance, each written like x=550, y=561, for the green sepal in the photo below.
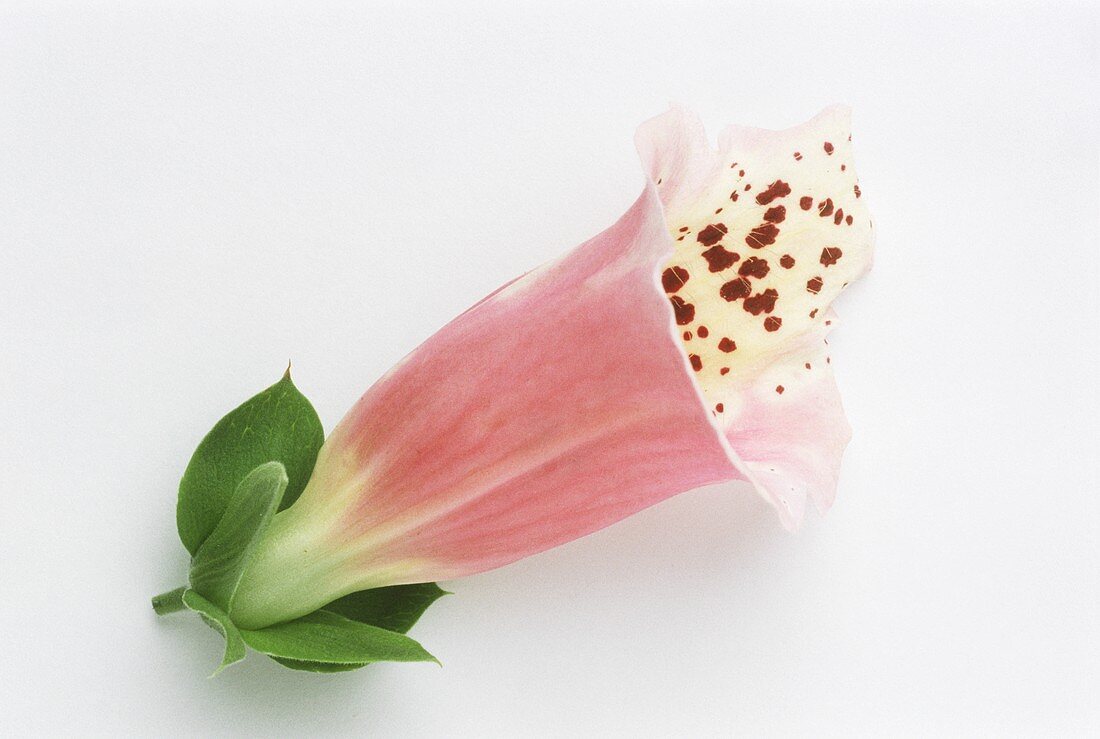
x=307, y=666
x=218, y=620
x=255, y=461
x=277, y=424
x=394, y=608
x=220, y=562
x=331, y=639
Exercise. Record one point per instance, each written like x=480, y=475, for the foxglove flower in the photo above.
x=683, y=346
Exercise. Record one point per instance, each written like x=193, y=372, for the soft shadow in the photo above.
x=259, y=696
x=704, y=540
x=710, y=533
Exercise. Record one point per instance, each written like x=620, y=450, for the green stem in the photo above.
x=169, y=602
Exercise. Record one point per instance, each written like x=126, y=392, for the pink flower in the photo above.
x=685, y=345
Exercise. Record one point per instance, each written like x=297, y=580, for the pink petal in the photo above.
x=568, y=400
x=768, y=230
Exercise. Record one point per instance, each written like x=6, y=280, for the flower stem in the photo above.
x=169, y=602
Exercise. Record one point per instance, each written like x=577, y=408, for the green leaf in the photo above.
x=334, y=640
x=219, y=564
x=278, y=424
x=218, y=620
x=395, y=608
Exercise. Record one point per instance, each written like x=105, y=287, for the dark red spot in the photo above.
x=797, y=156
x=813, y=313
x=685, y=312
x=855, y=189
x=839, y=216
x=741, y=173
x=776, y=214
x=718, y=211
x=830, y=255
x=843, y=167
x=807, y=365
x=772, y=323
x=761, y=236
x=719, y=407
x=727, y=344
x=712, y=234
x=754, y=267
x=786, y=261
x=778, y=189
x=779, y=389
x=687, y=336
x=734, y=195
x=673, y=278
x=761, y=302
x=748, y=187
x=703, y=332
x=724, y=371
x=734, y=290
x=805, y=202
x=813, y=285
x=828, y=148
x=848, y=220
x=696, y=363
x=684, y=229
x=734, y=165
x=719, y=259
x=825, y=207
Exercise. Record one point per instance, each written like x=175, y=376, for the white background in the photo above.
x=190, y=195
